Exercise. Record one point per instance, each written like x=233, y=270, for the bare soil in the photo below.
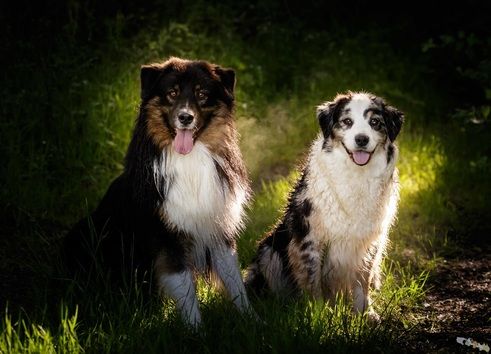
x=457, y=304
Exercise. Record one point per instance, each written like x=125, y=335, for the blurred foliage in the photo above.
x=464, y=66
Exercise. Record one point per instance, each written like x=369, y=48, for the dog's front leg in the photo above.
x=225, y=265
x=361, y=301
x=361, y=297
x=180, y=287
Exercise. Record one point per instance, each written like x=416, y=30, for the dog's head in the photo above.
x=182, y=97
x=360, y=122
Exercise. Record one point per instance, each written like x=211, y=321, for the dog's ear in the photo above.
x=393, y=119
x=328, y=114
x=227, y=77
x=325, y=115
x=150, y=76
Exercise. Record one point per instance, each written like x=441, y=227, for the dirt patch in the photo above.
x=458, y=304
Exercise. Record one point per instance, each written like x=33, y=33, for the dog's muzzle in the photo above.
x=359, y=157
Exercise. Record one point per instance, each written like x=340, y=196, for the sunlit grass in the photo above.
x=267, y=207
x=424, y=216
x=420, y=163
x=24, y=336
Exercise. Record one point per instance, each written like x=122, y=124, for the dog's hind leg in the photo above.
x=180, y=287
x=306, y=263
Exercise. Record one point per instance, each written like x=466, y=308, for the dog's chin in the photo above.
x=359, y=157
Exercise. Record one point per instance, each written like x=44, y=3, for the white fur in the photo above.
x=225, y=266
x=351, y=199
x=196, y=202
x=360, y=300
x=181, y=288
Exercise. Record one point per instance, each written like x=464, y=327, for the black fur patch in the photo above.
x=305, y=245
x=140, y=158
x=329, y=116
x=393, y=120
x=150, y=76
x=256, y=281
x=278, y=240
x=223, y=176
x=390, y=153
x=326, y=146
x=227, y=76
x=121, y=236
x=298, y=219
x=299, y=210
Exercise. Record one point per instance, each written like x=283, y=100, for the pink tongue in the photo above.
x=183, y=142
x=361, y=157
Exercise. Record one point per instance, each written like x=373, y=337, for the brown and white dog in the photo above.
x=333, y=234
x=178, y=206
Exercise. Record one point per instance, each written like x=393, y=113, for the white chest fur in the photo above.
x=350, y=202
x=196, y=201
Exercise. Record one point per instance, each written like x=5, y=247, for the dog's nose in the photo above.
x=185, y=118
x=361, y=140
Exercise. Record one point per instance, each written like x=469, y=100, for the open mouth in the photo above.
x=359, y=157
x=184, y=141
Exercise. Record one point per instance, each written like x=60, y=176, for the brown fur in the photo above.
x=156, y=126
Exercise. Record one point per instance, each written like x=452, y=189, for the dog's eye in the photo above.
x=374, y=123
x=347, y=121
x=172, y=93
x=201, y=95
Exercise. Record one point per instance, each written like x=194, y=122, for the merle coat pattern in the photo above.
x=333, y=234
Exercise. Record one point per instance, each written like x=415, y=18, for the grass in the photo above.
x=124, y=323
x=62, y=148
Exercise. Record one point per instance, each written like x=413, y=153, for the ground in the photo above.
x=457, y=304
